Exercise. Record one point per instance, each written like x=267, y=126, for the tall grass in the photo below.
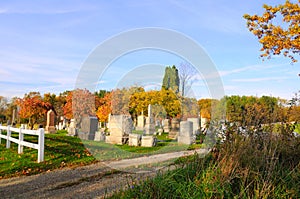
x=259, y=165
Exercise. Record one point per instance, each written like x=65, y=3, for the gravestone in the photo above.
x=72, y=131
x=204, y=122
x=160, y=131
x=175, y=128
x=166, y=125
x=140, y=123
x=150, y=126
x=100, y=135
x=134, y=140
x=60, y=126
x=148, y=141
x=157, y=123
x=14, y=113
x=195, y=122
x=50, y=126
x=89, y=125
x=186, y=133
x=120, y=128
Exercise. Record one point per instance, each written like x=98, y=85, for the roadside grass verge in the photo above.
x=259, y=166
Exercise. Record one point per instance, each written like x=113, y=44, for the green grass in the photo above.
x=103, y=151
x=65, y=151
x=60, y=151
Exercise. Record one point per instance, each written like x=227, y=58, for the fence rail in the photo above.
x=20, y=141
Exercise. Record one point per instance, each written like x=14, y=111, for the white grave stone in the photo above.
x=140, y=123
x=134, y=140
x=120, y=128
x=150, y=126
x=195, y=122
x=100, y=135
x=186, y=133
x=148, y=141
x=72, y=131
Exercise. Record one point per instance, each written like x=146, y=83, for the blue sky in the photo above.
x=44, y=44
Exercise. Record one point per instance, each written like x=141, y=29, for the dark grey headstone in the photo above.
x=89, y=125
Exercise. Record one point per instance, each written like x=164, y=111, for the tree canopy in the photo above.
x=277, y=39
x=171, y=79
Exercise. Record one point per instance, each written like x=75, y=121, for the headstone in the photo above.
x=14, y=115
x=148, y=141
x=89, y=125
x=64, y=124
x=120, y=128
x=175, y=128
x=50, y=127
x=195, y=122
x=160, y=131
x=134, y=140
x=157, y=123
x=60, y=126
x=204, y=122
x=166, y=125
x=100, y=135
x=186, y=133
x=150, y=126
x=72, y=131
x=140, y=123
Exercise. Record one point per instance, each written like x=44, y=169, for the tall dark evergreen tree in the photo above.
x=171, y=79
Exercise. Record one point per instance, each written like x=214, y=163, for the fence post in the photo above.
x=8, y=137
x=41, y=145
x=21, y=138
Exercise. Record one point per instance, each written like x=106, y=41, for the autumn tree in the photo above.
x=170, y=102
x=206, y=107
x=189, y=108
x=104, y=108
x=294, y=108
x=33, y=108
x=79, y=102
x=277, y=39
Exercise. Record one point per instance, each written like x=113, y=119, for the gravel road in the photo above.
x=92, y=181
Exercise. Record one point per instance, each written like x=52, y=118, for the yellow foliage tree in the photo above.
x=277, y=39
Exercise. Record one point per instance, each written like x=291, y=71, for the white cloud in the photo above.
x=262, y=79
x=257, y=67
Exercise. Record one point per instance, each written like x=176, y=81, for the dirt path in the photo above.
x=92, y=181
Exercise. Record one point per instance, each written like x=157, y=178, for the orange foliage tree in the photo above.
x=104, y=108
x=79, y=102
x=33, y=108
x=276, y=39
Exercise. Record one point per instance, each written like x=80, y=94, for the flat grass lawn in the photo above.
x=60, y=151
x=103, y=151
x=65, y=151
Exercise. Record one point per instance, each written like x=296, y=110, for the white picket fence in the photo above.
x=41, y=139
